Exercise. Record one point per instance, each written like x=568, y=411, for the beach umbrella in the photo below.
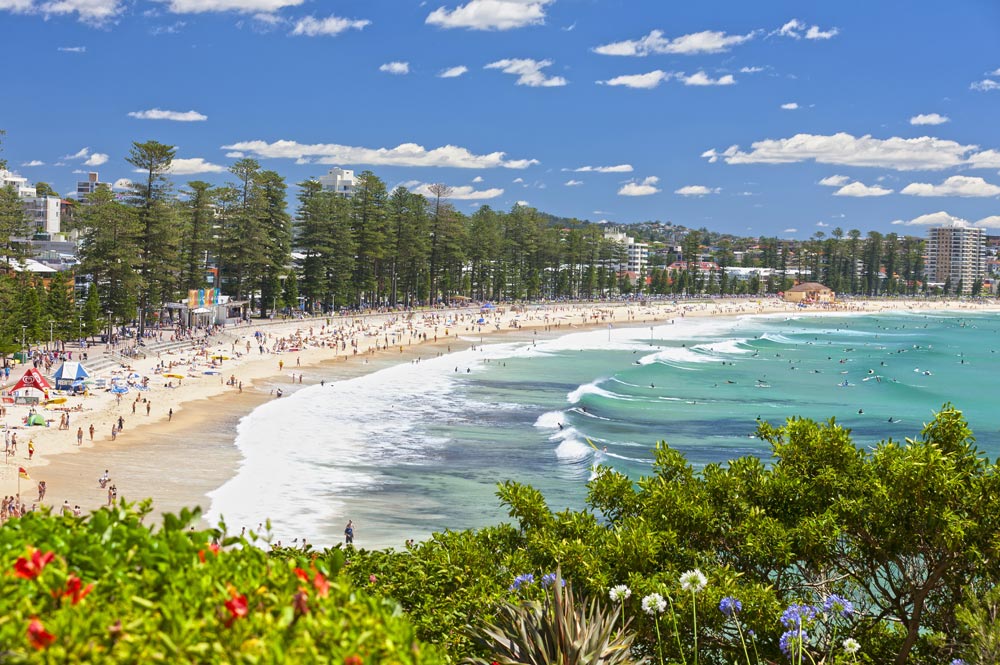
x=120, y=390
x=481, y=320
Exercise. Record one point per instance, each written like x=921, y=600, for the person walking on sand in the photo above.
x=170, y=414
x=349, y=532
x=31, y=449
x=41, y=490
x=149, y=405
x=79, y=436
x=121, y=423
x=91, y=431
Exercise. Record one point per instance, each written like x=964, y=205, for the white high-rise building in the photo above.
x=338, y=180
x=8, y=179
x=638, y=252
x=45, y=212
x=956, y=254
x=89, y=186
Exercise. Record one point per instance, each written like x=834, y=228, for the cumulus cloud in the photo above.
x=861, y=190
x=929, y=119
x=835, y=181
x=478, y=178
x=395, y=68
x=991, y=222
x=96, y=159
x=707, y=41
x=331, y=26
x=751, y=70
x=985, y=85
x=523, y=204
x=193, y=165
x=620, y=168
x=642, y=81
x=701, y=78
x=453, y=72
x=697, y=190
x=916, y=154
x=96, y=12
x=796, y=29
x=790, y=106
x=956, y=185
x=405, y=154
x=574, y=183
x=490, y=14
x=176, y=116
x=32, y=163
x=528, y=72
x=458, y=193
x=644, y=188
x=940, y=218
x=241, y=6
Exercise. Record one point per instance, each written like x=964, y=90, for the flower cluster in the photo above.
x=31, y=568
x=835, y=604
x=693, y=581
x=730, y=606
x=619, y=593
x=654, y=604
x=792, y=641
x=522, y=580
x=796, y=614
x=550, y=579
x=851, y=646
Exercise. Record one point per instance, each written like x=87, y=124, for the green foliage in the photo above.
x=167, y=595
x=555, y=629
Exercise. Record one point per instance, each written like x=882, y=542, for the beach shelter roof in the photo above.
x=69, y=373
x=32, y=379
x=36, y=419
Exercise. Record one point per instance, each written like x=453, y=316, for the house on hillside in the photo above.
x=810, y=292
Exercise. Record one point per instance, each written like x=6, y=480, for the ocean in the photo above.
x=419, y=447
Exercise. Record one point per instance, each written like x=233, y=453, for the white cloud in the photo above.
x=491, y=14
x=68, y=49
x=405, y=154
x=956, y=185
x=528, y=72
x=32, y=163
x=241, y=6
x=96, y=159
x=81, y=154
x=985, y=85
x=822, y=224
x=929, y=119
x=620, y=168
x=790, y=106
x=797, y=30
x=940, y=218
x=697, y=190
x=478, y=178
x=790, y=231
x=861, y=190
x=645, y=188
x=16, y=6
x=89, y=11
x=991, y=222
x=193, y=165
x=916, y=154
x=523, y=204
x=701, y=79
x=708, y=41
x=835, y=181
x=643, y=81
x=994, y=73
x=176, y=116
x=574, y=183
x=751, y=70
x=518, y=181
x=453, y=72
x=395, y=68
x=121, y=183
x=458, y=193
x=330, y=26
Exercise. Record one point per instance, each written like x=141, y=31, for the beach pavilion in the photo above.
x=810, y=292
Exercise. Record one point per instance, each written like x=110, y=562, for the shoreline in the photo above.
x=177, y=463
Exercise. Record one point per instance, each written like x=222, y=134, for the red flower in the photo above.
x=353, y=660
x=75, y=589
x=213, y=548
x=372, y=579
x=301, y=574
x=29, y=570
x=38, y=637
x=238, y=608
x=321, y=584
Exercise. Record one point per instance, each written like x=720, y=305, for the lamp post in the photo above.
x=24, y=342
x=108, y=312
x=51, y=322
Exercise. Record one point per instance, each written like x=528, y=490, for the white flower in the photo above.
x=693, y=581
x=619, y=593
x=653, y=604
x=851, y=646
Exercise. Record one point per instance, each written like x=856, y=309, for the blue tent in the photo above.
x=70, y=373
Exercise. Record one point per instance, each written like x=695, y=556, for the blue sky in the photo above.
x=777, y=118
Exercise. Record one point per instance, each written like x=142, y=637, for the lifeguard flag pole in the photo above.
x=21, y=473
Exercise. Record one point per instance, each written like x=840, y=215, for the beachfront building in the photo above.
x=89, y=186
x=636, y=254
x=810, y=292
x=339, y=181
x=45, y=212
x=956, y=257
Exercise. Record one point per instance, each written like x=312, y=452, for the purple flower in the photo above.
x=522, y=580
x=835, y=604
x=550, y=579
x=958, y=661
x=792, y=641
x=730, y=606
x=796, y=613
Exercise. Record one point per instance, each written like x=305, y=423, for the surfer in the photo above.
x=560, y=425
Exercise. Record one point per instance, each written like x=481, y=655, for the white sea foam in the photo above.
x=573, y=449
x=551, y=419
x=592, y=388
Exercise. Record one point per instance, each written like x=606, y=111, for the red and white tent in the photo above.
x=32, y=379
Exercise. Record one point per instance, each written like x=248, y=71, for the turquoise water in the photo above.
x=419, y=448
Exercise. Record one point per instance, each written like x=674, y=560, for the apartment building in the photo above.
x=340, y=181
x=955, y=255
x=638, y=252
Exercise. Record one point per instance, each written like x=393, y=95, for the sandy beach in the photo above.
x=176, y=460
